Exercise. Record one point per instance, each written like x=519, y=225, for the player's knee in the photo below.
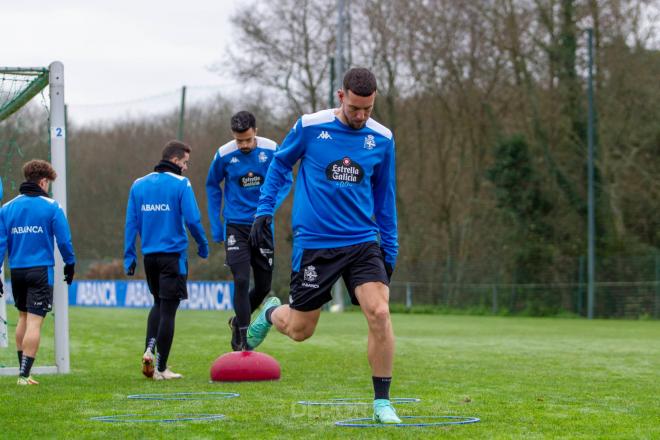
x=301, y=334
x=380, y=314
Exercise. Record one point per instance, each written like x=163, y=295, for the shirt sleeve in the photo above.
x=63, y=236
x=384, y=189
x=191, y=215
x=130, y=231
x=279, y=176
x=214, y=197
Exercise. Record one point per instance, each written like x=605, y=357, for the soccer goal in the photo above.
x=18, y=87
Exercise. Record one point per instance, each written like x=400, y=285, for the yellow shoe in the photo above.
x=26, y=381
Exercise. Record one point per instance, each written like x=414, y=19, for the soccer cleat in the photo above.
x=148, y=363
x=26, y=381
x=259, y=327
x=166, y=375
x=235, y=335
x=384, y=412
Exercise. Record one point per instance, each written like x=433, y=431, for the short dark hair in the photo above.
x=176, y=149
x=360, y=81
x=36, y=169
x=243, y=121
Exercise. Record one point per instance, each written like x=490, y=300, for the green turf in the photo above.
x=524, y=377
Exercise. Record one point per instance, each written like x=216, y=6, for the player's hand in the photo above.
x=389, y=269
x=261, y=235
x=203, y=250
x=69, y=271
x=131, y=269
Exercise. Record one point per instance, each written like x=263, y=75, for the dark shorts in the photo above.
x=32, y=288
x=238, y=249
x=315, y=271
x=167, y=275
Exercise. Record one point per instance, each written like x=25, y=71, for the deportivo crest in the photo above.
x=344, y=170
x=251, y=179
x=369, y=142
x=231, y=240
x=310, y=274
x=263, y=157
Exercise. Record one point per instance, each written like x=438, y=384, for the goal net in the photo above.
x=32, y=125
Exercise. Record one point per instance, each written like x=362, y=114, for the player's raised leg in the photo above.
x=374, y=302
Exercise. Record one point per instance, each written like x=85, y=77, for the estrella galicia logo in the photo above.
x=251, y=179
x=344, y=170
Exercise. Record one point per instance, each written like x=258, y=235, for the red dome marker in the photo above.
x=244, y=366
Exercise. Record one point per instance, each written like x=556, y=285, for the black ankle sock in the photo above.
x=26, y=366
x=243, y=332
x=270, y=312
x=151, y=345
x=381, y=387
x=20, y=357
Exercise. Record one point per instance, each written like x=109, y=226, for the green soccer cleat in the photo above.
x=259, y=327
x=384, y=412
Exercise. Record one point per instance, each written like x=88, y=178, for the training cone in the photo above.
x=242, y=366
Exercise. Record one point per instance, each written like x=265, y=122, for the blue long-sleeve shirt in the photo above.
x=346, y=184
x=243, y=175
x=28, y=225
x=160, y=206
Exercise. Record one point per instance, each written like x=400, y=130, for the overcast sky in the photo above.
x=120, y=51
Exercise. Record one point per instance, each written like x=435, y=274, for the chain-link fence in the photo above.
x=626, y=287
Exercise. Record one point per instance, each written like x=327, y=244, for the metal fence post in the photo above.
x=408, y=295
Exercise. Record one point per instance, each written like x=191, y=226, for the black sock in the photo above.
x=20, y=356
x=151, y=345
x=381, y=387
x=270, y=312
x=243, y=332
x=165, y=336
x=26, y=366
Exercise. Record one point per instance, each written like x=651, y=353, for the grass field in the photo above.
x=524, y=377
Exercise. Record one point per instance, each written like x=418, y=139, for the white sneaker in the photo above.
x=148, y=363
x=166, y=375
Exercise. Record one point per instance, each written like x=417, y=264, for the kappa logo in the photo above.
x=324, y=135
x=369, y=142
x=263, y=157
x=231, y=240
x=310, y=274
x=234, y=160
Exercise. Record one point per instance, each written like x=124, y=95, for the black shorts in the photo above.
x=238, y=249
x=167, y=274
x=315, y=271
x=32, y=288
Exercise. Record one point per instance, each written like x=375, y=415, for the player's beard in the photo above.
x=354, y=125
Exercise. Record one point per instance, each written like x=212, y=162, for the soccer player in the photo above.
x=28, y=224
x=344, y=225
x=159, y=205
x=242, y=164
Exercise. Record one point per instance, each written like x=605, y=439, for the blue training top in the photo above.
x=346, y=184
x=243, y=174
x=158, y=206
x=27, y=227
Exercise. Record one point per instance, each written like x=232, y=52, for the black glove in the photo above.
x=261, y=235
x=69, y=270
x=388, y=267
x=131, y=269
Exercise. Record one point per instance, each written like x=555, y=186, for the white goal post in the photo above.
x=57, y=133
